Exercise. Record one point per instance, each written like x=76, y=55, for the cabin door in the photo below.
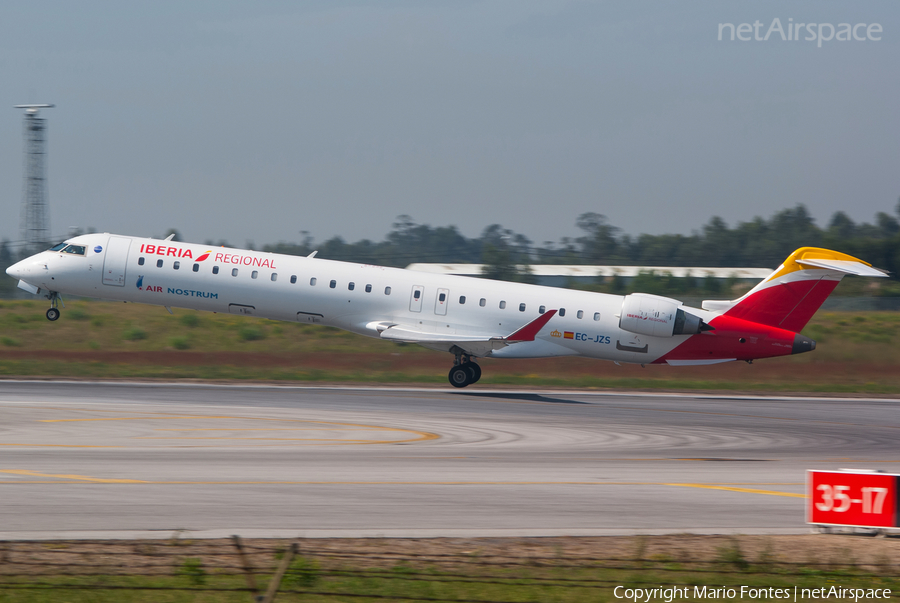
x=115, y=261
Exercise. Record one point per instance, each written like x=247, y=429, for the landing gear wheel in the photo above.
x=52, y=314
x=474, y=372
x=460, y=376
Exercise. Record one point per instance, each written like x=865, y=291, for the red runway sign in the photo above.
x=843, y=498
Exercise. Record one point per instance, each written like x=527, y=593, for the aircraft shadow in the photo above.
x=520, y=397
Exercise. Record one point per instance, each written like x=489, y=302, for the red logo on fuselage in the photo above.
x=227, y=258
x=176, y=252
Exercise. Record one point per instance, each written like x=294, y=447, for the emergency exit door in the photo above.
x=441, y=302
x=415, y=298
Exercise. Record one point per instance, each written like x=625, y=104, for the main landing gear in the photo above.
x=53, y=312
x=464, y=372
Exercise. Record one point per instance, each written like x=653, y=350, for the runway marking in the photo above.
x=440, y=390
x=422, y=436
x=729, y=414
x=58, y=445
x=76, y=479
x=85, y=478
x=331, y=440
x=154, y=418
x=746, y=490
x=248, y=429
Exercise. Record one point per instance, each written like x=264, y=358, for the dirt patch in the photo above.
x=156, y=557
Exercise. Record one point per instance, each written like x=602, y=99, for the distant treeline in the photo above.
x=758, y=243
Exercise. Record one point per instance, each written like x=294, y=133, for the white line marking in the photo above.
x=436, y=390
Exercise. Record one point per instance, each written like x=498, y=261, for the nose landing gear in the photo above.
x=464, y=372
x=53, y=312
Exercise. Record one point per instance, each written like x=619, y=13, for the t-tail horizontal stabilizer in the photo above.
x=789, y=297
x=857, y=268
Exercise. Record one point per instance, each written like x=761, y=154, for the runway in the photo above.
x=123, y=460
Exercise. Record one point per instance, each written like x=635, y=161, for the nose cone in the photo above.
x=16, y=270
x=802, y=344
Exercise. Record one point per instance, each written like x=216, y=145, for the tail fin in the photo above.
x=790, y=296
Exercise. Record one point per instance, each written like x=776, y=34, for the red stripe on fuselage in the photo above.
x=760, y=341
x=786, y=305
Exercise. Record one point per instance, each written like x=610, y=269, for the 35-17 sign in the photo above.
x=867, y=500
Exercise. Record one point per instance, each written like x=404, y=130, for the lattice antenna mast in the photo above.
x=35, y=211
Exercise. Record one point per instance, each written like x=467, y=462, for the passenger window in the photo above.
x=442, y=297
x=159, y=263
x=596, y=316
x=294, y=279
x=387, y=290
x=140, y=261
x=351, y=286
x=462, y=299
x=196, y=268
x=368, y=288
x=503, y=305
x=562, y=311
x=332, y=284
x=580, y=314
x=482, y=302
x=176, y=265
x=542, y=309
x=234, y=272
x=417, y=294
x=521, y=307
x=312, y=282
x=254, y=274
x=274, y=276
x=215, y=270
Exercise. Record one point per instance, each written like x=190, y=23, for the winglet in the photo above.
x=528, y=332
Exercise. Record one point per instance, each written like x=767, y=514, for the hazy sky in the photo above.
x=256, y=120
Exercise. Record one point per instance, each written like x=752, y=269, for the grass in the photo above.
x=489, y=570
x=857, y=353
x=403, y=582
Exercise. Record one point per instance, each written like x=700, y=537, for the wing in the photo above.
x=472, y=344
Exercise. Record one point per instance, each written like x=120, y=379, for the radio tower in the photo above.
x=35, y=215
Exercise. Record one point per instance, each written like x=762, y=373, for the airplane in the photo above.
x=468, y=317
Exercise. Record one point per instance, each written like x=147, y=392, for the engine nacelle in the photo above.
x=658, y=316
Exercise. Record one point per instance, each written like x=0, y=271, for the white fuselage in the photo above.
x=354, y=297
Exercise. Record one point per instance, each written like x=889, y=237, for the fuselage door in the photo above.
x=440, y=304
x=115, y=261
x=415, y=299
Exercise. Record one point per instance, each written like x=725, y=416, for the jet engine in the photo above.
x=658, y=316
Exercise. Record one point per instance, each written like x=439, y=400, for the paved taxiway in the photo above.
x=125, y=460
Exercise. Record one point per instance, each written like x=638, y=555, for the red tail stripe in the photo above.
x=786, y=305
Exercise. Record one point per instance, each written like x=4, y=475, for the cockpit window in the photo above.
x=74, y=249
x=58, y=247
